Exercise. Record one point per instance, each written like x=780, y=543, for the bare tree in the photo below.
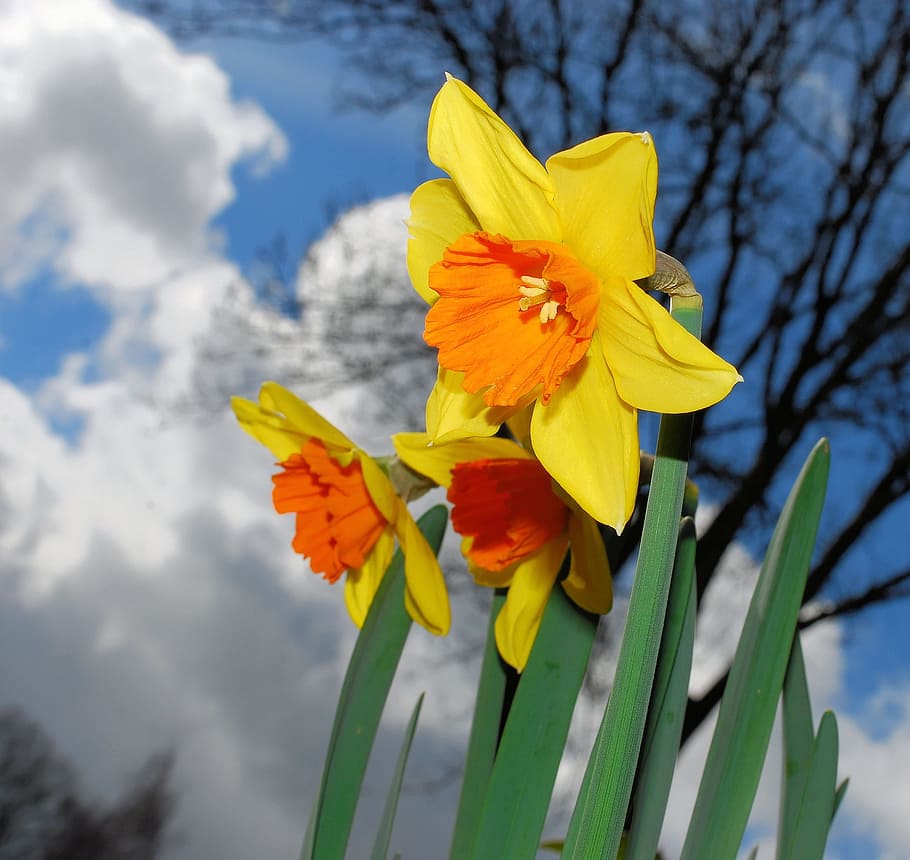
x=784, y=129
x=45, y=816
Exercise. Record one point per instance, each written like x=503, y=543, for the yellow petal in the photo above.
x=439, y=216
x=276, y=398
x=520, y=425
x=453, y=413
x=380, y=488
x=506, y=188
x=425, y=595
x=437, y=461
x=587, y=439
x=519, y=619
x=656, y=363
x=360, y=584
x=589, y=582
x=605, y=190
x=273, y=431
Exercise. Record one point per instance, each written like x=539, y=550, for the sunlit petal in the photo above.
x=272, y=430
x=439, y=216
x=656, y=363
x=452, y=413
x=302, y=416
x=361, y=583
x=589, y=582
x=605, y=190
x=587, y=439
x=437, y=461
x=425, y=598
x=506, y=188
x=380, y=487
x=519, y=619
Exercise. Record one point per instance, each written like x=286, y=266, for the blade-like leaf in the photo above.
x=484, y=736
x=595, y=829
x=839, y=796
x=746, y=715
x=668, y=705
x=817, y=807
x=519, y=790
x=798, y=743
x=387, y=822
x=363, y=695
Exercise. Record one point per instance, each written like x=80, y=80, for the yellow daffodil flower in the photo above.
x=516, y=529
x=530, y=271
x=348, y=513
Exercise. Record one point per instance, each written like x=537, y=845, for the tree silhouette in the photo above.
x=44, y=815
x=783, y=128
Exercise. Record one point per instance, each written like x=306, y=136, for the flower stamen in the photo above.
x=534, y=292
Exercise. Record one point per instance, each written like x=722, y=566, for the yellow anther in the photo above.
x=534, y=292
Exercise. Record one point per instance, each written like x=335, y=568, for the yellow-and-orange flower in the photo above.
x=530, y=271
x=515, y=531
x=348, y=513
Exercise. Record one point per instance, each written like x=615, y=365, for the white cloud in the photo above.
x=117, y=147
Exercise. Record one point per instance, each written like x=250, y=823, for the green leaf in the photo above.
x=363, y=696
x=799, y=741
x=484, y=737
x=535, y=733
x=746, y=715
x=596, y=827
x=839, y=796
x=387, y=822
x=816, y=809
x=668, y=705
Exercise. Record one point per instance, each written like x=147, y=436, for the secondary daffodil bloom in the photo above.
x=516, y=530
x=348, y=513
x=531, y=270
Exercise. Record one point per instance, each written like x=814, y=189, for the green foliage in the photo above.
x=504, y=801
x=363, y=696
x=746, y=716
x=517, y=797
x=484, y=738
x=387, y=822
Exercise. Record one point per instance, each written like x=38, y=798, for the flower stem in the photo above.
x=597, y=822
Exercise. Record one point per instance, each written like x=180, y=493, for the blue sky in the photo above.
x=121, y=508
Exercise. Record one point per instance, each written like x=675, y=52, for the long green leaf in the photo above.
x=484, y=736
x=387, y=822
x=747, y=709
x=839, y=796
x=817, y=807
x=597, y=822
x=518, y=795
x=363, y=695
x=668, y=705
x=797, y=748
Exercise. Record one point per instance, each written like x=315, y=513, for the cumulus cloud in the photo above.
x=117, y=147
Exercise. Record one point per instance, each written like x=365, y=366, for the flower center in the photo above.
x=534, y=292
x=507, y=506
x=508, y=357
x=338, y=522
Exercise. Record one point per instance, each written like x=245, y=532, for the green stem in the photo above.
x=485, y=729
x=597, y=822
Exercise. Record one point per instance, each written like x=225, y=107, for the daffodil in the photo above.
x=348, y=512
x=530, y=271
x=516, y=528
